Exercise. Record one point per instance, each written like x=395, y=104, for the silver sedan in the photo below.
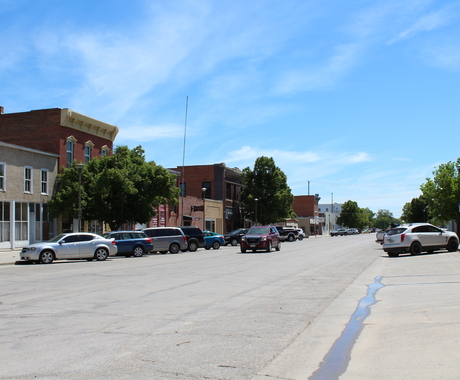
x=77, y=245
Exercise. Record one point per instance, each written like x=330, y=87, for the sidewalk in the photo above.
x=9, y=256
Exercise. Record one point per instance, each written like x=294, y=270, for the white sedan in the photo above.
x=77, y=245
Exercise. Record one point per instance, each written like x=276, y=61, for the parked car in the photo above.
x=70, y=246
x=287, y=233
x=234, y=237
x=166, y=239
x=261, y=237
x=131, y=243
x=416, y=238
x=195, y=237
x=301, y=235
x=213, y=240
x=340, y=232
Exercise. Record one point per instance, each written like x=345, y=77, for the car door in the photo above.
x=87, y=245
x=437, y=238
x=423, y=236
x=68, y=248
x=123, y=244
x=275, y=236
x=159, y=239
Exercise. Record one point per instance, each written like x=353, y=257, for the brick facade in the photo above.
x=47, y=130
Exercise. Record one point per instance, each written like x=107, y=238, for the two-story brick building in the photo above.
x=66, y=134
x=221, y=184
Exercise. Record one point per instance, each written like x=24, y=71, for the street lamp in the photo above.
x=79, y=168
x=256, y=209
x=203, y=190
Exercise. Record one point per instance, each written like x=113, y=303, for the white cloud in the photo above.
x=428, y=22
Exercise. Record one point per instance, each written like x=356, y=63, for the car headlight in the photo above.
x=264, y=238
x=32, y=248
x=243, y=238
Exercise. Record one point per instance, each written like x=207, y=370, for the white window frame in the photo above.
x=70, y=153
x=3, y=176
x=44, y=183
x=88, y=151
x=28, y=181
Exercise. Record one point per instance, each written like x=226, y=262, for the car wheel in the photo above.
x=269, y=247
x=234, y=242
x=101, y=254
x=138, y=251
x=291, y=238
x=392, y=254
x=216, y=245
x=452, y=246
x=243, y=250
x=278, y=247
x=300, y=237
x=192, y=246
x=46, y=257
x=415, y=248
x=174, y=248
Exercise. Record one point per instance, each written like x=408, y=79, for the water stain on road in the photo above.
x=336, y=361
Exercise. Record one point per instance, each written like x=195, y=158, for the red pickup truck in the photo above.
x=261, y=238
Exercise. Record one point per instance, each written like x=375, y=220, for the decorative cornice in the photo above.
x=87, y=124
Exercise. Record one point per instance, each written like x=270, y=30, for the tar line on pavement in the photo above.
x=336, y=361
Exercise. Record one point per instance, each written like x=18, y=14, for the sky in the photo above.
x=353, y=99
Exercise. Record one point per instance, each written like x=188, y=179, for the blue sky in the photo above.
x=358, y=98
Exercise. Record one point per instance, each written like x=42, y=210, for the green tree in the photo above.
x=351, y=215
x=367, y=218
x=116, y=189
x=384, y=219
x=415, y=211
x=268, y=184
x=442, y=194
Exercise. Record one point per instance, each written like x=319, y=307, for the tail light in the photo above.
x=185, y=238
x=149, y=240
x=114, y=242
x=402, y=237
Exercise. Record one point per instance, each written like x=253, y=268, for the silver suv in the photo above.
x=416, y=238
x=166, y=239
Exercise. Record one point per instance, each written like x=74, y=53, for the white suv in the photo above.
x=416, y=238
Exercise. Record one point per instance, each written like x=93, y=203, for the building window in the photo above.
x=4, y=221
x=105, y=151
x=228, y=190
x=28, y=183
x=70, y=150
x=88, y=151
x=2, y=176
x=183, y=189
x=20, y=221
x=44, y=182
x=207, y=186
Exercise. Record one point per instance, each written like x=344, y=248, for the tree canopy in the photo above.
x=352, y=216
x=442, y=194
x=268, y=185
x=116, y=189
x=415, y=211
x=384, y=219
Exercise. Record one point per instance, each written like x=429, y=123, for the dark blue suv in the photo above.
x=131, y=243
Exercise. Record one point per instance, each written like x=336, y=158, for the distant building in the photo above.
x=308, y=216
x=221, y=184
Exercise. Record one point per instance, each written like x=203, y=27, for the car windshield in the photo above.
x=396, y=231
x=258, y=231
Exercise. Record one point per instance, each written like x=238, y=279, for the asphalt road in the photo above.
x=215, y=314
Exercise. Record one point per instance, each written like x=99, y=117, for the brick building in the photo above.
x=67, y=134
x=308, y=215
x=222, y=184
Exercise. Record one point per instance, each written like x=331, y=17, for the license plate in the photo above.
x=253, y=245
